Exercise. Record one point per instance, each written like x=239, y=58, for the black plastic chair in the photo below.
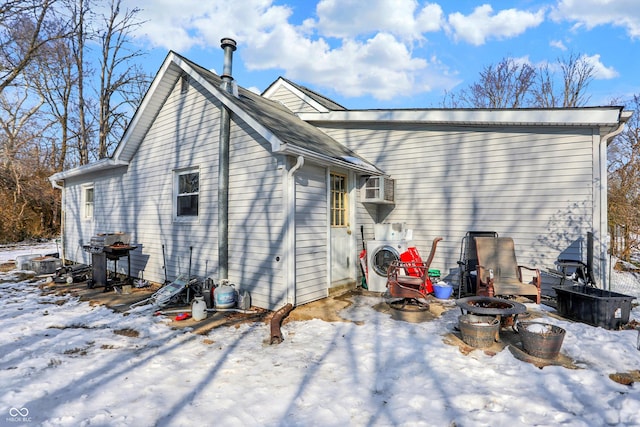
x=468, y=261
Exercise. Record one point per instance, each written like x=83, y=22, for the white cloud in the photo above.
x=600, y=71
x=189, y=23
x=381, y=67
x=483, y=24
x=592, y=13
x=166, y=23
x=354, y=18
x=558, y=44
x=372, y=56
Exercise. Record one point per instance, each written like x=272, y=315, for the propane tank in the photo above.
x=198, y=308
x=225, y=296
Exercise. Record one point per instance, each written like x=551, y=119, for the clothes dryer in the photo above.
x=380, y=254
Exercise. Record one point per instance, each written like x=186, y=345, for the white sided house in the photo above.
x=282, y=216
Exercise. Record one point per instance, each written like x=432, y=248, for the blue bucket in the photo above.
x=442, y=290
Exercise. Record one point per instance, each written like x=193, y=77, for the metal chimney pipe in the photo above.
x=228, y=45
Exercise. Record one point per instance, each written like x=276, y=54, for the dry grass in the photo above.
x=127, y=332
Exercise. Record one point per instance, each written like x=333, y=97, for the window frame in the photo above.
x=86, y=204
x=176, y=195
x=339, y=213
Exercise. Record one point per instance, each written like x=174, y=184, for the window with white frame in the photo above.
x=187, y=193
x=87, y=201
x=338, y=200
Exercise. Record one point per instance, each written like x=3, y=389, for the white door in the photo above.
x=311, y=234
x=342, y=256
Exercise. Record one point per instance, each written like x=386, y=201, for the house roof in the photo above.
x=296, y=134
x=284, y=130
x=606, y=118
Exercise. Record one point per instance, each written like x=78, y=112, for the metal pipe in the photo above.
x=298, y=165
x=228, y=45
x=276, y=322
x=604, y=275
x=60, y=187
x=290, y=231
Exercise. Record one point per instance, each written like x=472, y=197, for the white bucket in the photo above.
x=198, y=308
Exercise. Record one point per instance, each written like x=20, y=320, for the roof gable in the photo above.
x=319, y=102
x=286, y=133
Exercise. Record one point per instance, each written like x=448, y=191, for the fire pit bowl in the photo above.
x=478, y=331
x=491, y=306
x=540, y=339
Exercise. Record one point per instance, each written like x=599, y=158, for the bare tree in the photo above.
x=56, y=79
x=577, y=74
x=624, y=184
x=570, y=88
x=21, y=129
x=120, y=76
x=79, y=9
x=55, y=112
x=504, y=85
x=510, y=84
x=544, y=94
x=25, y=26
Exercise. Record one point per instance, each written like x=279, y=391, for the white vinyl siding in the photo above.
x=139, y=199
x=532, y=184
x=292, y=101
x=311, y=234
x=256, y=220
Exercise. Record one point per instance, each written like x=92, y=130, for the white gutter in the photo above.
x=290, y=224
x=60, y=187
x=587, y=116
x=603, y=225
x=327, y=160
x=98, y=166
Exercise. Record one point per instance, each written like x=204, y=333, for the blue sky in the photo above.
x=395, y=53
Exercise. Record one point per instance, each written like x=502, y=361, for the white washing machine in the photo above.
x=380, y=254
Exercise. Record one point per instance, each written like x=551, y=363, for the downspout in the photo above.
x=229, y=46
x=604, y=226
x=60, y=187
x=290, y=224
x=291, y=231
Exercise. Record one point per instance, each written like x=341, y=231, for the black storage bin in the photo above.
x=597, y=307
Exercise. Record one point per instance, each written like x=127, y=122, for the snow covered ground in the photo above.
x=67, y=363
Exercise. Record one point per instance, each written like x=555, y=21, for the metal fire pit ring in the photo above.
x=490, y=306
x=505, y=311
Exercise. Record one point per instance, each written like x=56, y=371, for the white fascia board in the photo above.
x=100, y=165
x=143, y=107
x=597, y=116
x=264, y=132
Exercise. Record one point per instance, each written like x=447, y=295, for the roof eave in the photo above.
x=588, y=116
x=100, y=165
x=365, y=168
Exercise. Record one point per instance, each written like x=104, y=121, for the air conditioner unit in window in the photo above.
x=378, y=189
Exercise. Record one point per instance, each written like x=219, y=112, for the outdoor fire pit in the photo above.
x=505, y=311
